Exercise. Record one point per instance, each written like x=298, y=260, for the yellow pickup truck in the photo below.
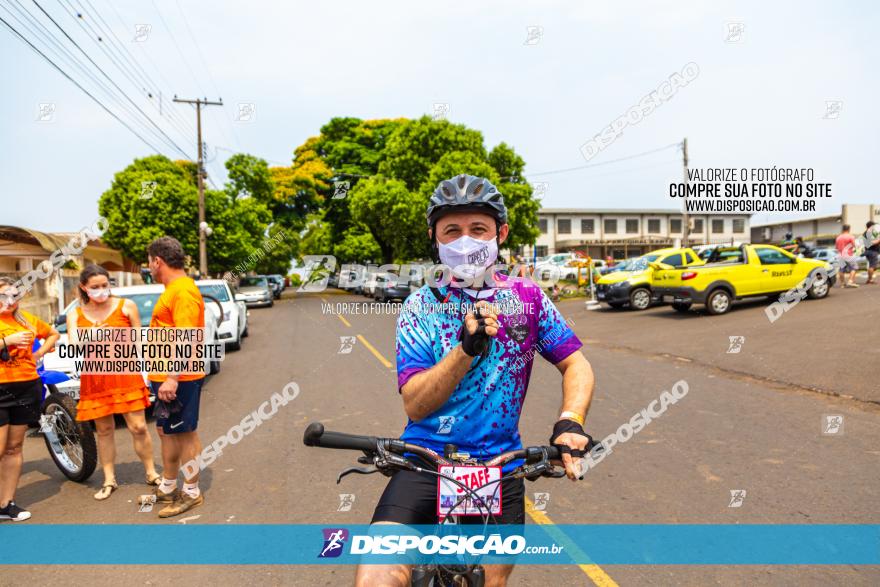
x=732, y=273
x=633, y=282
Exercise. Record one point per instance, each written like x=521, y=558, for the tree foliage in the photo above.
x=392, y=216
x=156, y=197
x=393, y=166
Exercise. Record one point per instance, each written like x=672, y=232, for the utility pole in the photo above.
x=203, y=226
x=686, y=223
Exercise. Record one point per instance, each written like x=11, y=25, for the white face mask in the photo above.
x=98, y=295
x=467, y=256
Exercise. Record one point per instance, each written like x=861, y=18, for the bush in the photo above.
x=295, y=280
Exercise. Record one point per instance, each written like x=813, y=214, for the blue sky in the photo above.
x=757, y=102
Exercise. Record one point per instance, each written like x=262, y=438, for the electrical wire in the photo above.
x=187, y=122
x=168, y=139
x=63, y=54
x=124, y=62
x=590, y=165
x=76, y=83
x=210, y=75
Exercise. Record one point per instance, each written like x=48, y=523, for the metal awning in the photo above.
x=95, y=251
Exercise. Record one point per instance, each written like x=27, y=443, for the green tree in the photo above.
x=353, y=149
x=238, y=227
x=152, y=197
x=522, y=209
x=249, y=176
x=417, y=145
x=279, y=247
x=301, y=188
x=358, y=246
x=155, y=196
x=393, y=166
x=391, y=215
x=315, y=238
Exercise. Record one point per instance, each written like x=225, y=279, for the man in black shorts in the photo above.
x=464, y=356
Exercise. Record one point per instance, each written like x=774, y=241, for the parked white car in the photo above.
x=234, y=326
x=144, y=296
x=557, y=264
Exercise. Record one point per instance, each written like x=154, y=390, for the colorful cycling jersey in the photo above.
x=481, y=417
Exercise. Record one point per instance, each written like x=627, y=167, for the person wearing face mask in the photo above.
x=463, y=373
x=103, y=396
x=20, y=389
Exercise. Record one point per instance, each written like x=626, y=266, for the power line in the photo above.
x=156, y=68
x=185, y=60
x=590, y=165
x=168, y=139
x=40, y=30
x=85, y=91
x=98, y=37
x=210, y=75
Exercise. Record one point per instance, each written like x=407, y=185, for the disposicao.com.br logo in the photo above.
x=393, y=544
x=334, y=542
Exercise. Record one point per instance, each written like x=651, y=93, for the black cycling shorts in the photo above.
x=20, y=402
x=411, y=498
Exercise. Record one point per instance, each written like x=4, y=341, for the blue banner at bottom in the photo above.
x=609, y=544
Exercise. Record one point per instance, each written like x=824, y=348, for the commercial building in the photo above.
x=622, y=233
x=820, y=230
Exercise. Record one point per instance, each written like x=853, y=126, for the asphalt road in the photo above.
x=751, y=421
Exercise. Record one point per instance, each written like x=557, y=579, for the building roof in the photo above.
x=625, y=211
x=95, y=249
x=797, y=220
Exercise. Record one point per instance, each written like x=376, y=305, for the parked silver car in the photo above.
x=254, y=291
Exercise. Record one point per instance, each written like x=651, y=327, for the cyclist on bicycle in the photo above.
x=463, y=374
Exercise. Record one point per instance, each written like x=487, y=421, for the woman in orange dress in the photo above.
x=102, y=396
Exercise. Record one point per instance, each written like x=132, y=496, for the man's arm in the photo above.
x=577, y=383
x=426, y=391
x=577, y=393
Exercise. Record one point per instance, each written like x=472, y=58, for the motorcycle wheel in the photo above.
x=71, y=444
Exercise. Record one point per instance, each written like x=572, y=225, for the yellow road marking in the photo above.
x=373, y=350
x=594, y=572
x=344, y=321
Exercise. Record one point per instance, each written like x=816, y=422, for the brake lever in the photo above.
x=359, y=470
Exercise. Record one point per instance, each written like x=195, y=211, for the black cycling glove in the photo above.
x=563, y=426
x=478, y=342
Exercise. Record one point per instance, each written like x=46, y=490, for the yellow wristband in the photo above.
x=572, y=416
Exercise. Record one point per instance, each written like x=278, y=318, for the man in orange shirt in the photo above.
x=180, y=306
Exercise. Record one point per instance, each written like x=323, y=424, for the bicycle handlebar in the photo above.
x=315, y=435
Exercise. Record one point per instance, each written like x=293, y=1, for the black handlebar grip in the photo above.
x=315, y=435
x=312, y=435
x=553, y=453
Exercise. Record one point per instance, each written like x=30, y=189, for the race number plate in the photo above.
x=475, y=478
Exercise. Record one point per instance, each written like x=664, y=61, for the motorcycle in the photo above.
x=71, y=444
